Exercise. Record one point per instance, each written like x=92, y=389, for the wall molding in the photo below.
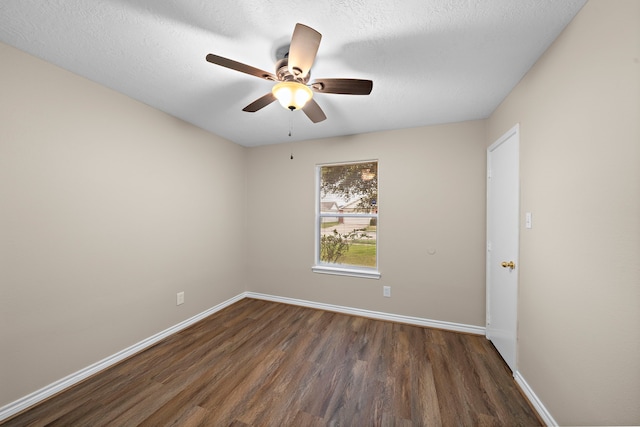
x=418, y=321
x=535, y=401
x=46, y=392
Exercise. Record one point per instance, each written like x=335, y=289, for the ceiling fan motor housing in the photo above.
x=284, y=75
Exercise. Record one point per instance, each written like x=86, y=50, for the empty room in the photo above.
x=320, y=213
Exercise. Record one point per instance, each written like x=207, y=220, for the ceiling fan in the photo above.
x=292, y=75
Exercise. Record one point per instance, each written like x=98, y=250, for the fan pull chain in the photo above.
x=291, y=129
x=291, y=123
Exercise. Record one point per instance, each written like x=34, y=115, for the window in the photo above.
x=347, y=219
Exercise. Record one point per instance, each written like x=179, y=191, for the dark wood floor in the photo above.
x=259, y=363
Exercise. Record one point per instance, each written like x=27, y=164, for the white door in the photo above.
x=503, y=212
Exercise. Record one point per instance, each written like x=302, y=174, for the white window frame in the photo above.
x=353, y=271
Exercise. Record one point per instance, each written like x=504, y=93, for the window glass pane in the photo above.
x=352, y=242
x=348, y=214
x=352, y=187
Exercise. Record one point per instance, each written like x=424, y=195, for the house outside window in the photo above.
x=347, y=219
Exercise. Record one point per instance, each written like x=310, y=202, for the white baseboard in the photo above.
x=418, y=321
x=70, y=380
x=535, y=401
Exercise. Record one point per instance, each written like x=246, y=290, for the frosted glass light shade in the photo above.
x=292, y=95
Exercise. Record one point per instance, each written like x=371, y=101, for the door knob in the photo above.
x=509, y=264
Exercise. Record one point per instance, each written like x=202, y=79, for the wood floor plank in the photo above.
x=260, y=363
x=424, y=401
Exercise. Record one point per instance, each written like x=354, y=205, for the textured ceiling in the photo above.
x=431, y=61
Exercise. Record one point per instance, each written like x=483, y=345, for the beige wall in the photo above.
x=432, y=196
x=579, y=304
x=107, y=209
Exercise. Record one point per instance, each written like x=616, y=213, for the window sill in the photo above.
x=353, y=272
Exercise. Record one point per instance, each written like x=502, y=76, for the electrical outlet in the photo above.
x=386, y=291
x=180, y=298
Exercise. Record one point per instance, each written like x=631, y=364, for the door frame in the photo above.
x=515, y=130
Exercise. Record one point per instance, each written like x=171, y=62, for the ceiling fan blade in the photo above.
x=342, y=86
x=239, y=66
x=259, y=103
x=313, y=111
x=302, y=51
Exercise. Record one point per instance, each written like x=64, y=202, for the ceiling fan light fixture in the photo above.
x=292, y=95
